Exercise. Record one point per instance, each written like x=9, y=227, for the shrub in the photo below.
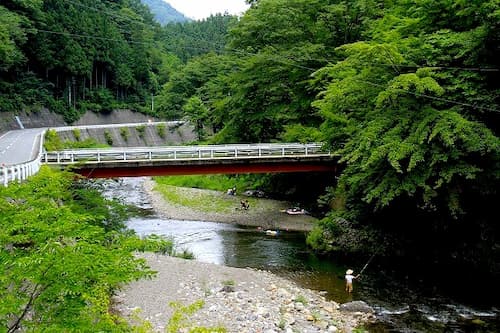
x=52, y=141
x=124, y=133
x=161, y=130
x=141, y=130
x=108, y=137
x=76, y=134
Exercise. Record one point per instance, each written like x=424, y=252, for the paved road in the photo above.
x=19, y=146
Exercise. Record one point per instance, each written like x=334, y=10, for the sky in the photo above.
x=199, y=9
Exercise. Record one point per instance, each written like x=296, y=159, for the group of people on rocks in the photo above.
x=243, y=203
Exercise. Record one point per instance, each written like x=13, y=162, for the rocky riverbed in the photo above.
x=240, y=300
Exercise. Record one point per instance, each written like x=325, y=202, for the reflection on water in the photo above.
x=400, y=306
x=400, y=309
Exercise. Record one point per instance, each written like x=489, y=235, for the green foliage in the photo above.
x=180, y=319
x=161, y=130
x=12, y=35
x=124, y=133
x=211, y=182
x=75, y=57
x=301, y=299
x=103, y=99
x=211, y=202
x=412, y=135
x=151, y=243
x=61, y=256
x=230, y=283
x=185, y=254
x=303, y=134
x=197, y=113
x=141, y=131
x=108, y=137
x=52, y=141
x=77, y=134
x=204, y=36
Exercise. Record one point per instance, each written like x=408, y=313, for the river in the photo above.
x=401, y=304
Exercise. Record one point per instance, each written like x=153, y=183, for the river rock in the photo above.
x=227, y=289
x=356, y=306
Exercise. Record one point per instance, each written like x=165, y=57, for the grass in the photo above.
x=210, y=202
x=230, y=283
x=184, y=254
x=180, y=319
x=301, y=299
x=212, y=182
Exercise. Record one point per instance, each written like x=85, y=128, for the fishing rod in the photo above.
x=366, y=265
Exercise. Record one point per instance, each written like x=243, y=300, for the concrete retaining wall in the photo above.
x=135, y=136
x=174, y=135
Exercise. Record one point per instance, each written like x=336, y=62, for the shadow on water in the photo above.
x=401, y=304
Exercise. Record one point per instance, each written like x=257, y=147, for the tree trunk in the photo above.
x=69, y=91
x=73, y=85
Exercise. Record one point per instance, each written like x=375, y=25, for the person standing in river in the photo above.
x=348, y=280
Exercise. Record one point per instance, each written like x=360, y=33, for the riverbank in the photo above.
x=265, y=213
x=240, y=300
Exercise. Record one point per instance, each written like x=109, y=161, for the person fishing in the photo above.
x=348, y=280
x=349, y=277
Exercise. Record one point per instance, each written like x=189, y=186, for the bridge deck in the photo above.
x=151, y=161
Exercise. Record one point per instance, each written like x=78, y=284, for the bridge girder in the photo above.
x=138, y=169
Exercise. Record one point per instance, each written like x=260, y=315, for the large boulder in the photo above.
x=356, y=306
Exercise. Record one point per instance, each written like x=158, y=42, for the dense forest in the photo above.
x=77, y=55
x=405, y=92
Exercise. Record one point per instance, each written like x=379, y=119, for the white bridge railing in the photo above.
x=236, y=151
x=21, y=171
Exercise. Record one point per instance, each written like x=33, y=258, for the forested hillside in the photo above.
x=77, y=55
x=406, y=92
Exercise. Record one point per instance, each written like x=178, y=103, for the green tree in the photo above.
x=196, y=112
x=11, y=36
x=405, y=113
x=63, y=252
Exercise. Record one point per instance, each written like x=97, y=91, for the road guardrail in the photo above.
x=21, y=171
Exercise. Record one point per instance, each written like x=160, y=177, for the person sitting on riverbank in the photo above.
x=244, y=204
x=348, y=280
x=231, y=191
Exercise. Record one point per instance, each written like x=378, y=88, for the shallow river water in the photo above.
x=401, y=306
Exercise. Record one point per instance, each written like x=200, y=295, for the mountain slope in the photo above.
x=163, y=12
